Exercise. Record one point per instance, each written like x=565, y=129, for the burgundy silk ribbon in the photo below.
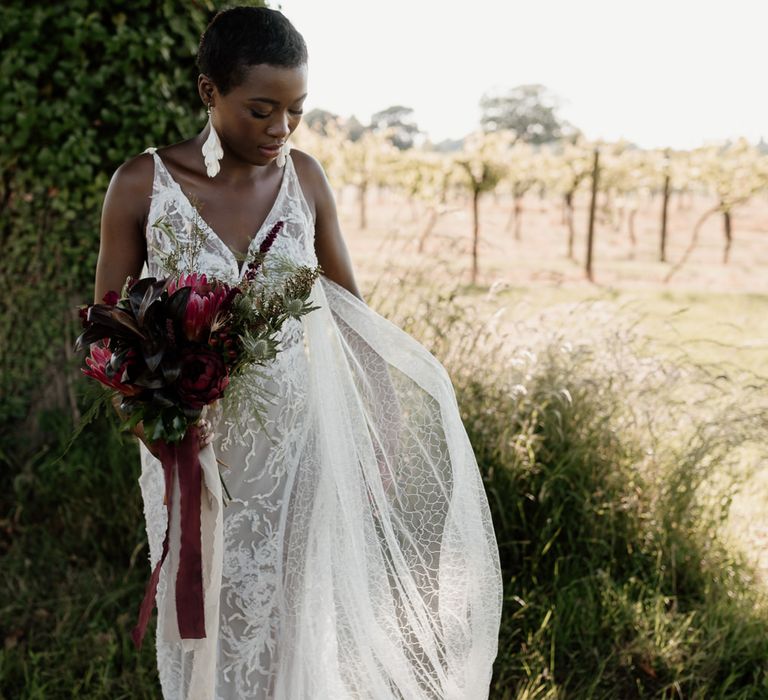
x=190, y=612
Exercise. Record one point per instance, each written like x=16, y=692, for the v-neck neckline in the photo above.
x=211, y=230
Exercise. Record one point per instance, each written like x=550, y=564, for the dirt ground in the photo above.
x=538, y=257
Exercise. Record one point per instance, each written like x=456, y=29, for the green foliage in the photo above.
x=86, y=85
x=74, y=564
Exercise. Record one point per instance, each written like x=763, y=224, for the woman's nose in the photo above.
x=279, y=128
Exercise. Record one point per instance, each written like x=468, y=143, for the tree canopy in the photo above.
x=400, y=121
x=528, y=110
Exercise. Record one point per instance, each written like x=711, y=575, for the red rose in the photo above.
x=203, y=377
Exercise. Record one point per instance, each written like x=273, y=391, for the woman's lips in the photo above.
x=270, y=151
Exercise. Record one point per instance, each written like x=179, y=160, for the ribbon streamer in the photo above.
x=193, y=546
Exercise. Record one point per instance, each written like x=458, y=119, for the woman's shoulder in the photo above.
x=307, y=166
x=132, y=183
x=311, y=175
x=136, y=174
x=139, y=169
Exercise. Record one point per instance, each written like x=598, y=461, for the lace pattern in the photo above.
x=258, y=463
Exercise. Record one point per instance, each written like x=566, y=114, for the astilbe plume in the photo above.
x=266, y=244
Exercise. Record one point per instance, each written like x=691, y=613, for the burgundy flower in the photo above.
x=204, y=302
x=111, y=297
x=203, y=377
x=97, y=368
x=266, y=244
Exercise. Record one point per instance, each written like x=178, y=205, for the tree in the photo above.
x=318, y=119
x=480, y=167
x=571, y=166
x=522, y=170
x=398, y=121
x=530, y=111
x=361, y=163
x=734, y=173
x=354, y=129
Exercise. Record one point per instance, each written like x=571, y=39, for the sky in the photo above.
x=659, y=73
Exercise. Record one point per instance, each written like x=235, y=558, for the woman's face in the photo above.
x=258, y=115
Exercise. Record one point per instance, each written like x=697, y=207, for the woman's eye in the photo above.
x=260, y=115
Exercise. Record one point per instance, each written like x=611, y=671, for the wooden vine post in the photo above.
x=592, y=206
x=664, y=210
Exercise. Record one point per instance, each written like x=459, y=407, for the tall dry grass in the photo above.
x=610, y=462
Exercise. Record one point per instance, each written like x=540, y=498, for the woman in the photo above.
x=359, y=555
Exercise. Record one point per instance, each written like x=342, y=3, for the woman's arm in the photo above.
x=122, y=247
x=330, y=248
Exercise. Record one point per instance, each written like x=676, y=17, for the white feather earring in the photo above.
x=284, y=151
x=212, y=150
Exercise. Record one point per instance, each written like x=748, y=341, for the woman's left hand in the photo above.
x=206, y=432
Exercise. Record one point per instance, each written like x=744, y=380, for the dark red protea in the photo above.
x=203, y=376
x=100, y=368
x=204, y=302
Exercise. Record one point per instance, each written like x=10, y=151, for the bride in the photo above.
x=359, y=558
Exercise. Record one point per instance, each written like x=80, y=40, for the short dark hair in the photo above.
x=240, y=37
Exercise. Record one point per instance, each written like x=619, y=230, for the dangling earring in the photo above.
x=212, y=150
x=284, y=151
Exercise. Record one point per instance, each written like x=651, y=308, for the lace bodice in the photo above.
x=296, y=240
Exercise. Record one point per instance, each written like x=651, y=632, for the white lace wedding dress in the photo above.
x=359, y=555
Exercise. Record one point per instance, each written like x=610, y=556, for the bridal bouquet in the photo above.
x=169, y=347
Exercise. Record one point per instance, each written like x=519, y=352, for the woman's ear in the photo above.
x=205, y=88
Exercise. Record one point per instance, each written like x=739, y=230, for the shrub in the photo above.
x=86, y=85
